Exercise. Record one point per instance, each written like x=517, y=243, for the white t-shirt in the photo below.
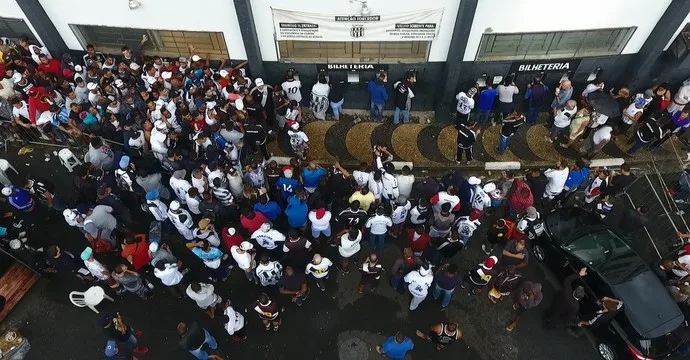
x=170, y=276
x=601, y=135
x=321, y=270
x=563, y=117
x=361, y=177
x=320, y=224
x=268, y=240
x=235, y=322
x=418, y=285
x=45, y=118
x=505, y=93
x=465, y=103
x=96, y=269
x=349, y=247
x=205, y=297
x=180, y=187
x=399, y=215
x=192, y=204
x=685, y=259
x=270, y=273
x=405, y=183
x=556, y=182
x=291, y=89
x=244, y=261
x=22, y=111
x=297, y=138
x=379, y=224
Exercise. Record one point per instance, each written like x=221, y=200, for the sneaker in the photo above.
x=150, y=285
x=225, y=256
x=443, y=308
x=487, y=252
x=548, y=139
x=140, y=350
x=318, y=285
x=469, y=162
x=184, y=272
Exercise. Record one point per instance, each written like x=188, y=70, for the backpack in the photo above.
x=99, y=245
x=535, y=227
x=124, y=182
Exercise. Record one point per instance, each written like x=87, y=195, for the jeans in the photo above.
x=557, y=131
x=396, y=280
x=212, y=344
x=467, y=151
x=637, y=146
x=482, y=117
x=446, y=295
x=376, y=241
x=316, y=233
x=376, y=111
x=532, y=115
x=337, y=108
x=396, y=116
x=503, y=143
x=416, y=300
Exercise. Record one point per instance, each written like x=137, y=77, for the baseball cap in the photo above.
x=7, y=191
x=231, y=231
x=182, y=59
x=174, y=205
x=239, y=104
x=124, y=161
x=86, y=254
x=91, y=86
x=223, y=73
x=203, y=223
x=473, y=180
x=78, y=68
x=259, y=82
x=153, y=247
x=17, y=77
x=152, y=195
x=531, y=211
x=166, y=75
x=111, y=348
x=119, y=83
x=246, y=245
x=134, y=66
x=287, y=173
x=196, y=57
x=69, y=214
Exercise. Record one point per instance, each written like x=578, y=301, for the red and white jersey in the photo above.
x=443, y=197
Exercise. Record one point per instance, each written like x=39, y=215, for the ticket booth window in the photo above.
x=553, y=45
x=360, y=51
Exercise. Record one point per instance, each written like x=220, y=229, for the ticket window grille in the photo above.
x=167, y=43
x=553, y=45
x=360, y=51
x=13, y=29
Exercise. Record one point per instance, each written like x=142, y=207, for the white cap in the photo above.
x=489, y=187
x=119, y=83
x=196, y=57
x=91, y=86
x=424, y=271
x=223, y=73
x=69, y=214
x=17, y=77
x=151, y=80
x=473, y=180
x=160, y=103
x=7, y=191
x=174, y=205
x=153, y=247
x=246, y=245
x=160, y=125
x=231, y=231
x=78, y=68
x=239, y=104
x=259, y=81
x=295, y=125
x=134, y=66
x=166, y=75
x=210, y=105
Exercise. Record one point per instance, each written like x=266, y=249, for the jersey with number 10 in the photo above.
x=291, y=89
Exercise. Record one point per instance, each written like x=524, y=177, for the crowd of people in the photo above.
x=186, y=175
x=646, y=120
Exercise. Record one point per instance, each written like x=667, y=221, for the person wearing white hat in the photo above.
x=244, y=255
x=182, y=220
x=263, y=94
x=418, y=284
x=196, y=58
x=299, y=141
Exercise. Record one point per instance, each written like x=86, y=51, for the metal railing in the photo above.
x=51, y=136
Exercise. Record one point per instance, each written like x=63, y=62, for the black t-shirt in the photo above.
x=255, y=132
x=348, y=218
x=510, y=126
x=292, y=283
x=620, y=183
x=42, y=186
x=649, y=131
x=338, y=89
x=340, y=186
x=24, y=89
x=193, y=339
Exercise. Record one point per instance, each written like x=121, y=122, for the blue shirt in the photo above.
x=271, y=210
x=296, y=212
x=21, y=199
x=311, y=178
x=486, y=99
x=563, y=97
x=576, y=178
x=287, y=187
x=213, y=253
x=395, y=350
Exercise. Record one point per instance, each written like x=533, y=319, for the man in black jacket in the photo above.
x=255, y=136
x=403, y=94
x=565, y=308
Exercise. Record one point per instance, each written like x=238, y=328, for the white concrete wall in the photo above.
x=217, y=16
x=687, y=20
x=10, y=9
x=516, y=16
x=264, y=18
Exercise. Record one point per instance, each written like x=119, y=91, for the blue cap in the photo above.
x=152, y=195
x=111, y=348
x=124, y=162
x=3, y=231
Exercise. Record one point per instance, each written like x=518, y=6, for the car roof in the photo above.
x=648, y=305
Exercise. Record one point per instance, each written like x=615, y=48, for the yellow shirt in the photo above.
x=364, y=200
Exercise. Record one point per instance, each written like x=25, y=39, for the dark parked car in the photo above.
x=650, y=325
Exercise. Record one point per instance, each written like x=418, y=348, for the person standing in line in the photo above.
x=506, y=91
x=378, y=228
x=564, y=92
x=182, y=220
x=486, y=103
x=348, y=247
x=371, y=274
x=442, y=334
x=319, y=98
x=596, y=141
x=269, y=311
x=377, y=97
x=193, y=338
x=234, y=322
x=511, y=124
x=268, y=272
x=467, y=136
x=528, y=297
x=445, y=282
x=561, y=120
x=171, y=276
x=292, y=87
x=395, y=347
x=481, y=274
x=577, y=126
x=244, y=255
x=318, y=269
x=556, y=179
x=337, y=95
x=205, y=297
x=577, y=176
x=404, y=92
x=645, y=134
x=535, y=95
x=418, y=284
x=464, y=106
x=680, y=121
x=402, y=266
x=115, y=328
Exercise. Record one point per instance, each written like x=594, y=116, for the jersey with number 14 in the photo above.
x=287, y=186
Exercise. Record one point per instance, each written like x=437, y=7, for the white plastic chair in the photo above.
x=68, y=159
x=90, y=298
x=4, y=166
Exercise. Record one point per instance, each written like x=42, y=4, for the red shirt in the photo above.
x=254, y=224
x=36, y=103
x=139, y=251
x=52, y=67
x=231, y=241
x=419, y=244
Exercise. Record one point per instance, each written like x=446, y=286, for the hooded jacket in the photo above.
x=377, y=91
x=296, y=212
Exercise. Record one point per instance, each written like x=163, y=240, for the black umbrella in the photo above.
x=604, y=103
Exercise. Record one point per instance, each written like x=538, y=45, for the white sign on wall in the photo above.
x=419, y=25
